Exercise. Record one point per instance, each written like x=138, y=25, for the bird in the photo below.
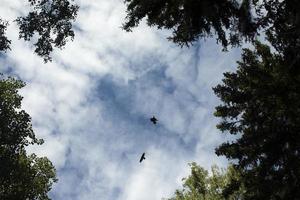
x=142, y=157
x=153, y=120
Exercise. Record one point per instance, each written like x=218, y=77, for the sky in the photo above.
x=93, y=102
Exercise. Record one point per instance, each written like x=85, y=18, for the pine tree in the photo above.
x=260, y=105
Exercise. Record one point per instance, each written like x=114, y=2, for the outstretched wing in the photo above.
x=153, y=120
x=142, y=157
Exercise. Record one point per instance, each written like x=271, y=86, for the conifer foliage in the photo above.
x=260, y=104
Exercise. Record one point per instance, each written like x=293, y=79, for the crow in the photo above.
x=153, y=120
x=142, y=157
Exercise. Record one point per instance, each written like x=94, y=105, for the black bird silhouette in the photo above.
x=153, y=120
x=142, y=157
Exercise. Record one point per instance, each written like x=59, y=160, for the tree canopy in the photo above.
x=49, y=20
x=201, y=185
x=232, y=21
x=260, y=104
x=4, y=42
x=22, y=176
x=190, y=20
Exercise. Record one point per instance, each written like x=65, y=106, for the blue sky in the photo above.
x=92, y=104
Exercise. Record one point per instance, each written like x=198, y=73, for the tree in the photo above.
x=231, y=20
x=50, y=20
x=284, y=34
x=4, y=42
x=202, y=186
x=192, y=19
x=260, y=105
x=22, y=176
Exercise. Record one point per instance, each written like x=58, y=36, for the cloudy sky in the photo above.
x=92, y=104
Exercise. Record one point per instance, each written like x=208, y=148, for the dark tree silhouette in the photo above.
x=22, y=176
x=284, y=32
x=232, y=21
x=4, y=42
x=261, y=106
x=49, y=20
x=193, y=19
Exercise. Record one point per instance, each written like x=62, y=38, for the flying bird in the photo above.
x=153, y=120
x=142, y=157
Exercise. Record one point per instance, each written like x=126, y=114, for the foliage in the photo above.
x=190, y=20
x=50, y=21
x=260, y=104
x=202, y=186
x=232, y=21
x=22, y=176
x=25, y=176
x=4, y=42
x=284, y=34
